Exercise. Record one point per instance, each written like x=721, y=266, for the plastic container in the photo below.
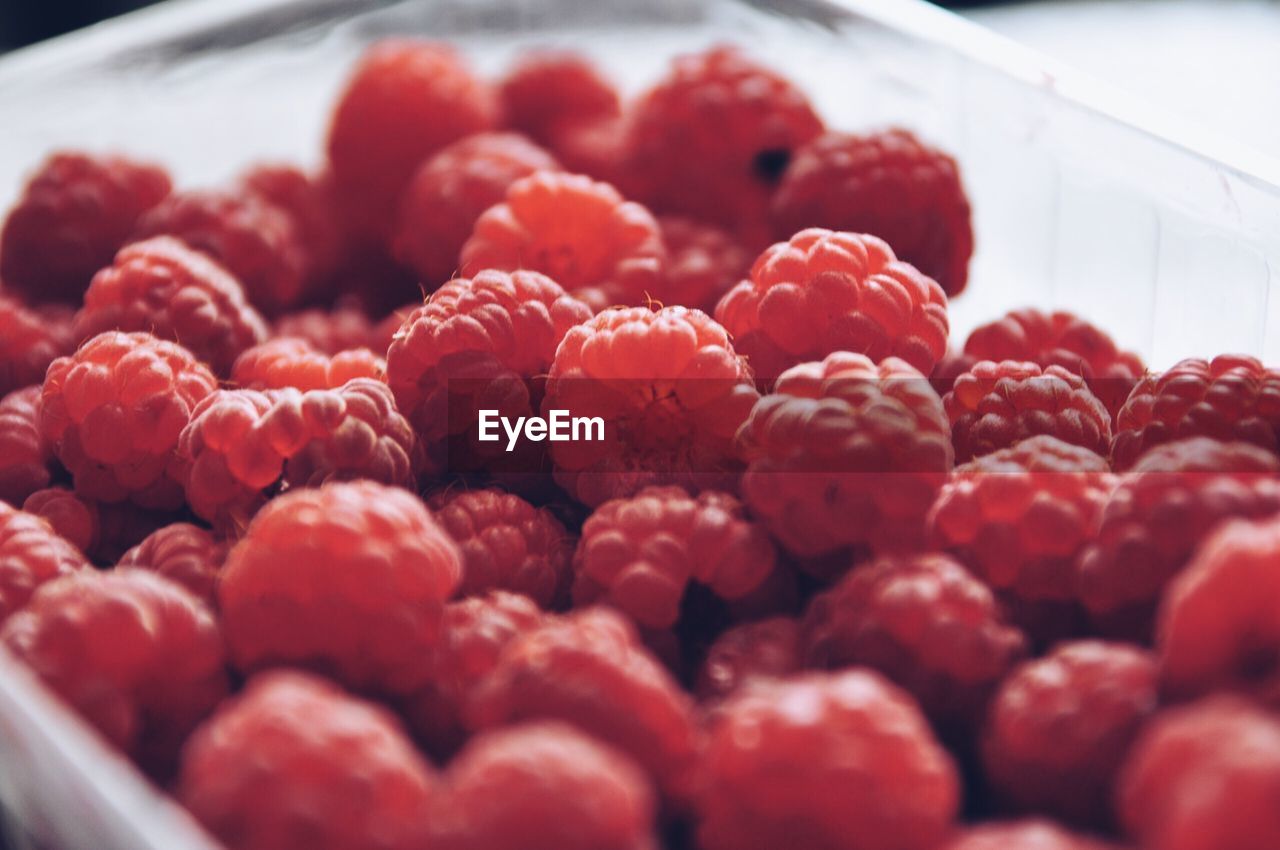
x=1162, y=234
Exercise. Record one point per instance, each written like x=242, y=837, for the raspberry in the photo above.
x=1175, y=495
x=589, y=669
x=163, y=287
x=846, y=453
x=1205, y=777
x=584, y=235
x=183, y=553
x=242, y=444
x=293, y=362
x=31, y=553
x=33, y=338
x=742, y=655
x=507, y=544
x=74, y=214
x=544, y=786
x=308, y=200
x=139, y=657
x=72, y=518
x=451, y=190
x=330, y=332
x=1060, y=726
x=997, y=404
x=824, y=762
x=924, y=623
x=405, y=100
x=639, y=553
x=1060, y=339
x=253, y=239
x=823, y=292
x=597, y=147
x=1231, y=397
x=713, y=138
x=293, y=763
x=1022, y=835
x=113, y=411
x=670, y=390
x=348, y=578
x=25, y=457
x=704, y=262
x=546, y=90
x=889, y=184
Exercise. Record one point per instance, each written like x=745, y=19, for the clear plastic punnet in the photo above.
x=1159, y=232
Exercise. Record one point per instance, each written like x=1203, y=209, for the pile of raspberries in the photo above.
x=831, y=580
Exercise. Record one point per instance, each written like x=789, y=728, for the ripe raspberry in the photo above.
x=670, y=390
x=824, y=762
x=1060, y=339
x=293, y=362
x=242, y=444
x=74, y=214
x=995, y=405
x=1228, y=398
x=25, y=457
x=163, y=287
x=638, y=554
x=704, y=262
x=846, y=453
x=507, y=544
x=924, y=623
x=72, y=518
x=32, y=339
x=309, y=201
x=1023, y=835
x=253, y=239
x=343, y=328
x=1205, y=777
x=598, y=148
x=183, y=553
x=450, y=191
x=1060, y=726
x=544, y=786
x=745, y=654
x=103, y=532
x=139, y=657
x=713, y=138
x=293, y=763
x=589, y=669
x=31, y=553
x=547, y=90
x=1174, y=496
x=823, y=292
x=889, y=184
x=112, y=413
x=584, y=235
x=348, y=578
x=405, y=100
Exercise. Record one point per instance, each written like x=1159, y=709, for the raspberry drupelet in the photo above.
x=293, y=763
x=184, y=553
x=825, y=762
x=72, y=518
x=1023, y=835
x=293, y=362
x=343, y=328
x=113, y=411
x=583, y=234
x=889, y=184
x=347, y=578
x=33, y=338
x=31, y=553
x=547, y=90
x=77, y=210
x=750, y=652
x=703, y=262
x=671, y=392
x=26, y=461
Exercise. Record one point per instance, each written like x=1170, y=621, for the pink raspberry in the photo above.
x=33, y=338
x=343, y=328
x=31, y=553
x=547, y=90
x=1023, y=835
x=293, y=362
x=25, y=457
x=183, y=553
x=703, y=262
x=744, y=654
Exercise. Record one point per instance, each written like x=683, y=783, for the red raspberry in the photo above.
x=25, y=458
x=1060, y=339
x=584, y=235
x=253, y=239
x=349, y=578
x=113, y=411
x=704, y=262
x=165, y=288
x=405, y=100
x=846, y=453
x=72, y=518
x=183, y=553
x=32, y=339
x=241, y=444
x=507, y=544
x=31, y=553
x=742, y=655
x=597, y=147
x=714, y=137
x=343, y=328
x=293, y=362
x=544, y=786
x=1205, y=777
x=995, y=405
x=590, y=670
x=824, y=762
x=309, y=201
x=1231, y=397
x=546, y=90
x=670, y=390
x=1060, y=726
x=889, y=184
x=639, y=553
x=139, y=657
x=74, y=214
x=293, y=763
x=927, y=625
x=1023, y=835
x=451, y=190
x=1175, y=495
